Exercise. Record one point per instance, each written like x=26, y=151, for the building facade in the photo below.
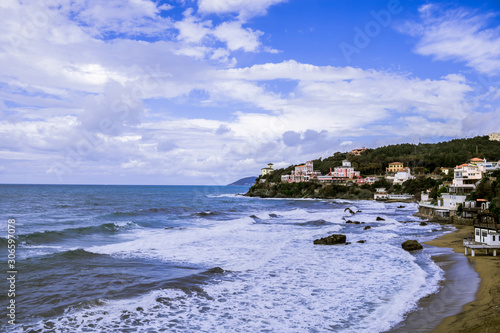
x=268, y=170
x=394, y=167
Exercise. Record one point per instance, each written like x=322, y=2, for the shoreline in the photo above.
x=483, y=313
x=458, y=288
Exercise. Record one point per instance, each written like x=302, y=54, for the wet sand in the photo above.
x=483, y=314
x=458, y=288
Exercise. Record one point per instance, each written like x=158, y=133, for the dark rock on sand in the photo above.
x=330, y=240
x=411, y=245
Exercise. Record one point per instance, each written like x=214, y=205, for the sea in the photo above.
x=208, y=259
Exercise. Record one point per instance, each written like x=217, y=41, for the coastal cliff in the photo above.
x=308, y=190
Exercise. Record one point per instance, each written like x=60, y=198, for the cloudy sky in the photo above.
x=209, y=91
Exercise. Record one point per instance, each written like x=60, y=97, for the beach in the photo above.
x=482, y=314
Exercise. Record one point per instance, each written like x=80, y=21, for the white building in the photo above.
x=495, y=137
x=380, y=193
x=466, y=176
x=267, y=171
x=402, y=175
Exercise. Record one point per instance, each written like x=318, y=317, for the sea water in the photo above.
x=207, y=259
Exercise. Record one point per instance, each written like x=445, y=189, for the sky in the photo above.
x=185, y=92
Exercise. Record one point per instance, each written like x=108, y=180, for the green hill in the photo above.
x=422, y=158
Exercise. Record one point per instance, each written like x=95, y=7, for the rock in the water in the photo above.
x=380, y=219
x=411, y=245
x=367, y=227
x=423, y=223
x=349, y=221
x=330, y=240
x=361, y=241
x=401, y=206
x=273, y=215
x=347, y=243
x=349, y=210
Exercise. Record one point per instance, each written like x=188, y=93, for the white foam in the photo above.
x=280, y=280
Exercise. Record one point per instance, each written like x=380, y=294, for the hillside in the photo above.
x=421, y=158
x=425, y=155
x=244, y=181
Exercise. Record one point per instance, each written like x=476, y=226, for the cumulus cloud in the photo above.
x=457, y=34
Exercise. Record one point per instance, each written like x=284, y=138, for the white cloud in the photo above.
x=238, y=37
x=457, y=34
x=244, y=8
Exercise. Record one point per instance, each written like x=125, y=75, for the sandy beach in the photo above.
x=483, y=314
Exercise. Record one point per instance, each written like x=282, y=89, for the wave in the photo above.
x=44, y=237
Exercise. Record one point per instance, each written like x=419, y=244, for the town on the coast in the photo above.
x=466, y=194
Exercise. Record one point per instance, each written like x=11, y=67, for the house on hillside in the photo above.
x=358, y=151
x=466, y=176
x=394, y=167
x=268, y=170
x=403, y=175
x=302, y=173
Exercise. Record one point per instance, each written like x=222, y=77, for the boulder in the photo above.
x=273, y=215
x=361, y=241
x=367, y=227
x=411, y=245
x=401, y=206
x=380, y=219
x=331, y=240
x=423, y=223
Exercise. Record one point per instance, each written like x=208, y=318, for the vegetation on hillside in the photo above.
x=423, y=159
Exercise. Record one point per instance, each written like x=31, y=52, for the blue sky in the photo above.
x=209, y=91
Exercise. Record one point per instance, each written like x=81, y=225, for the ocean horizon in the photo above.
x=126, y=258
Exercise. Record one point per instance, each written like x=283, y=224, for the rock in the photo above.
x=330, y=240
x=273, y=215
x=361, y=241
x=357, y=222
x=401, y=206
x=367, y=227
x=349, y=221
x=254, y=216
x=423, y=223
x=347, y=243
x=358, y=211
x=380, y=219
x=411, y=245
x=349, y=210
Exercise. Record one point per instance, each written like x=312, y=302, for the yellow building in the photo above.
x=394, y=167
x=267, y=171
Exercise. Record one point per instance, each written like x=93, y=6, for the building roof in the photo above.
x=393, y=163
x=476, y=159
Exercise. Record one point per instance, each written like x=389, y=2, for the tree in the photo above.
x=484, y=190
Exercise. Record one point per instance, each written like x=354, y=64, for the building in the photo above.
x=302, y=173
x=402, y=175
x=466, y=176
x=495, y=136
x=445, y=171
x=486, y=235
x=267, y=171
x=394, y=167
x=345, y=171
x=367, y=180
x=358, y=151
x=380, y=193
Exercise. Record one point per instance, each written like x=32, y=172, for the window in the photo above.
x=493, y=237
x=477, y=232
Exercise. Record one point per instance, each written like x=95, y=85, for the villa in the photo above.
x=394, y=167
x=268, y=170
